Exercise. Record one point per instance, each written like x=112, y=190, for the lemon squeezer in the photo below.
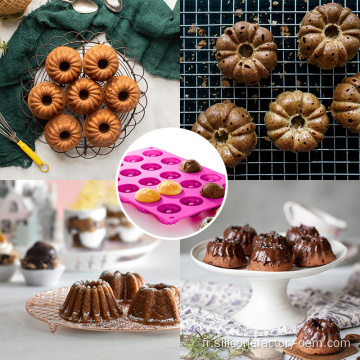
x=6, y=130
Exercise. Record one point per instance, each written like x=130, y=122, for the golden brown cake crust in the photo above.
x=169, y=187
x=230, y=129
x=124, y=286
x=147, y=195
x=102, y=128
x=84, y=96
x=63, y=133
x=100, y=62
x=121, y=94
x=47, y=100
x=63, y=65
x=156, y=305
x=329, y=36
x=246, y=53
x=345, y=108
x=296, y=121
x=90, y=301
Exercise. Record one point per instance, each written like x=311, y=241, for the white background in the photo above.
x=188, y=145
x=163, y=110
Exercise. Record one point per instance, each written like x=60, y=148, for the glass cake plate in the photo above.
x=45, y=307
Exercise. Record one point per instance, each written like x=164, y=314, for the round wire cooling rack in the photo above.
x=45, y=307
x=81, y=42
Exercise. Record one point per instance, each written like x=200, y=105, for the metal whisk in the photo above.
x=6, y=130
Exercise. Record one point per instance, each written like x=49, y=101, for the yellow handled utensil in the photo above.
x=6, y=130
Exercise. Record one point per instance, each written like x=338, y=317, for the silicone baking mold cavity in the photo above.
x=150, y=166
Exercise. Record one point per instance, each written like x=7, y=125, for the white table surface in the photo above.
x=163, y=110
x=331, y=280
x=23, y=337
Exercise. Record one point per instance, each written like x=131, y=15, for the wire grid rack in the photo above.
x=82, y=42
x=202, y=85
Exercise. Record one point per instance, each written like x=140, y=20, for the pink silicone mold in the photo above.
x=150, y=166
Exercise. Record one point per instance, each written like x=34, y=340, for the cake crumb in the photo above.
x=181, y=59
x=225, y=82
x=284, y=30
x=193, y=29
x=201, y=44
x=187, y=96
x=275, y=3
x=255, y=97
x=298, y=82
x=204, y=83
x=238, y=12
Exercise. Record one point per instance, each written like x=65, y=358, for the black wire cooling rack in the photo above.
x=337, y=157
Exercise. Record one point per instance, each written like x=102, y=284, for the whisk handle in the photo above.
x=42, y=166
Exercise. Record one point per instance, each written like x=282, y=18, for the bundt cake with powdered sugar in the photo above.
x=246, y=53
x=124, y=286
x=156, y=305
x=230, y=129
x=329, y=36
x=90, y=301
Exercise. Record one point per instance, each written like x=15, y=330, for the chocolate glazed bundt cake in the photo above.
x=329, y=36
x=296, y=121
x=156, y=305
x=313, y=251
x=245, y=234
x=271, y=238
x=270, y=257
x=90, y=301
x=225, y=253
x=319, y=336
x=230, y=129
x=47, y=100
x=297, y=232
x=246, y=53
x=345, y=108
x=124, y=286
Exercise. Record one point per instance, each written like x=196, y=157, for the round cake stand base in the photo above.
x=269, y=306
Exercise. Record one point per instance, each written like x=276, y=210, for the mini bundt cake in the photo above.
x=156, y=305
x=271, y=238
x=84, y=96
x=245, y=234
x=121, y=94
x=225, y=253
x=297, y=232
x=270, y=257
x=296, y=121
x=246, y=53
x=101, y=62
x=63, y=65
x=102, y=128
x=230, y=129
x=124, y=286
x=319, y=336
x=90, y=301
x=63, y=133
x=212, y=191
x=313, y=251
x=345, y=108
x=47, y=100
x=329, y=36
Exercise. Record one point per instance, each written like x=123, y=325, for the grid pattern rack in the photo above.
x=202, y=85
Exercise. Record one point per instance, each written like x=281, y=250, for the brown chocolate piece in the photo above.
x=84, y=225
x=212, y=191
x=40, y=256
x=190, y=166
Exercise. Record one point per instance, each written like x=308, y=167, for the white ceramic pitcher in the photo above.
x=327, y=225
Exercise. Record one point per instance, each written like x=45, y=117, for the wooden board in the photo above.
x=297, y=353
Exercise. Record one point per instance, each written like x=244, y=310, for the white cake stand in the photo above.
x=269, y=306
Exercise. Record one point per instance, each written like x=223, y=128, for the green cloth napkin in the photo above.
x=149, y=28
